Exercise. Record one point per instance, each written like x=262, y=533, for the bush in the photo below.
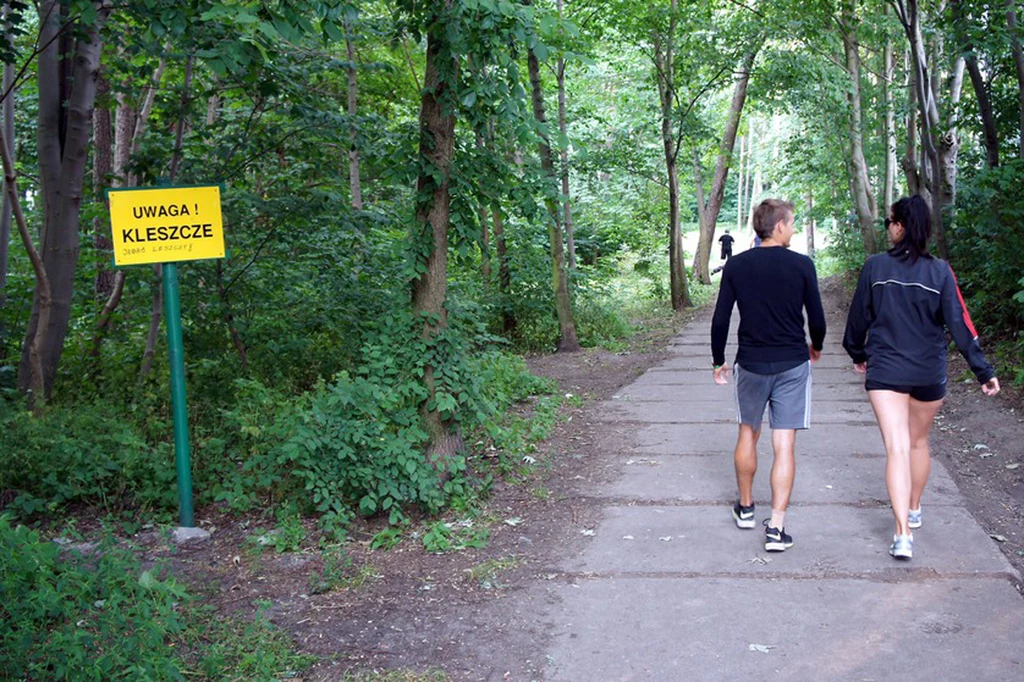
x=986, y=245
x=86, y=454
x=65, y=616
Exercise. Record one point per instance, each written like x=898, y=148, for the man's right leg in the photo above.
x=745, y=458
x=752, y=392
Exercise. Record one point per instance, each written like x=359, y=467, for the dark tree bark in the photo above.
x=64, y=128
x=102, y=165
x=6, y=210
x=1018, y=63
x=568, y=341
x=665, y=64
x=430, y=288
x=908, y=12
x=714, y=205
x=990, y=133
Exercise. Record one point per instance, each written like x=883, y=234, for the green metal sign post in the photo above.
x=177, y=224
x=182, y=453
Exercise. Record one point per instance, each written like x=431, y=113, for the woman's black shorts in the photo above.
x=925, y=394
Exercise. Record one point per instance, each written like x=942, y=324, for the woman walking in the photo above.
x=895, y=333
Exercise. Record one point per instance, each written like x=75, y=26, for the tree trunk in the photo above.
x=909, y=15
x=909, y=162
x=810, y=225
x=353, y=152
x=714, y=206
x=570, y=238
x=990, y=134
x=6, y=210
x=508, y=325
x=889, y=73
x=229, y=318
x=860, y=184
x=102, y=165
x=35, y=378
x=64, y=128
x=430, y=288
x=664, y=61
x=1018, y=63
x=568, y=341
x=739, y=189
x=749, y=189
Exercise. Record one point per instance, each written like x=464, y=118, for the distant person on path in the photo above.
x=772, y=287
x=726, y=240
x=895, y=333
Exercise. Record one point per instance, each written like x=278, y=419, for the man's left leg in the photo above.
x=783, y=474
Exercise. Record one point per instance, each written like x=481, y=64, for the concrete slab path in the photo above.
x=667, y=588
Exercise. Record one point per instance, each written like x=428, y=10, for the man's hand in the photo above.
x=815, y=354
x=860, y=367
x=722, y=374
x=990, y=387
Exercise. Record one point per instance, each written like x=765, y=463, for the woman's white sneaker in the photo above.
x=914, y=518
x=902, y=547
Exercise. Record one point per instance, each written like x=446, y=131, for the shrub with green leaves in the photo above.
x=100, y=616
x=83, y=454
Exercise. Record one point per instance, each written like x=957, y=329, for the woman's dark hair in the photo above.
x=913, y=214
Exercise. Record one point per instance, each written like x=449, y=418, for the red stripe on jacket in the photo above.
x=963, y=306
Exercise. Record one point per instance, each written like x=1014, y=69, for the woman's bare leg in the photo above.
x=892, y=410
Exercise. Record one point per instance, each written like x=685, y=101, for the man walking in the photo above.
x=772, y=286
x=726, y=241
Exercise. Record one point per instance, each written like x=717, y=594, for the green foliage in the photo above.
x=87, y=454
x=441, y=537
x=101, y=617
x=985, y=247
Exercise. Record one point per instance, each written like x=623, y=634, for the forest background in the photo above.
x=416, y=194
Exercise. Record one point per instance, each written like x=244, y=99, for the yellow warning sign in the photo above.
x=166, y=225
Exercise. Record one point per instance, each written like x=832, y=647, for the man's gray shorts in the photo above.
x=788, y=393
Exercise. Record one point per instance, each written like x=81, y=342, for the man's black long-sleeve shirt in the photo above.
x=772, y=286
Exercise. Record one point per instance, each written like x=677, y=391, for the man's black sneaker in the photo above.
x=776, y=540
x=744, y=516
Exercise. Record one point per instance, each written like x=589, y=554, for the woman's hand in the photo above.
x=860, y=367
x=990, y=387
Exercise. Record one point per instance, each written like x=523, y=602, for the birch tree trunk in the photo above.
x=908, y=12
x=570, y=239
x=810, y=225
x=860, y=184
x=888, y=73
x=739, y=190
x=353, y=152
